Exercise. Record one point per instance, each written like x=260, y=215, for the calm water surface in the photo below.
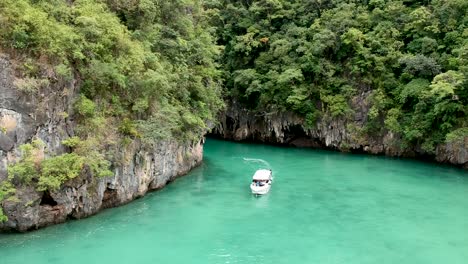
x=324, y=207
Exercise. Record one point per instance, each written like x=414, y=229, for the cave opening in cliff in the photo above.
x=109, y=198
x=230, y=123
x=293, y=132
x=47, y=199
x=358, y=150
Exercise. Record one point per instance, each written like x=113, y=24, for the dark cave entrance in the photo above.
x=47, y=199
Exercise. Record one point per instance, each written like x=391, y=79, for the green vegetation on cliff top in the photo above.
x=151, y=69
x=136, y=59
x=145, y=69
x=410, y=58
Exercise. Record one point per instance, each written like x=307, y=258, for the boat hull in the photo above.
x=260, y=189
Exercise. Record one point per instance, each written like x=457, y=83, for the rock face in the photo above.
x=24, y=116
x=145, y=170
x=240, y=124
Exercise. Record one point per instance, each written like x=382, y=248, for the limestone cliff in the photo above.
x=240, y=124
x=47, y=116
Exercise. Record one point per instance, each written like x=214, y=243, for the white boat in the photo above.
x=261, y=182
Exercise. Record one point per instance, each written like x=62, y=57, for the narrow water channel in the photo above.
x=324, y=207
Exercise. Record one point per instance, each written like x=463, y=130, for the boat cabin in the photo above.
x=261, y=177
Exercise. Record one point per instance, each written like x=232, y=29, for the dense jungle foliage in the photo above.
x=138, y=60
x=410, y=58
x=153, y=69
x=145, y=69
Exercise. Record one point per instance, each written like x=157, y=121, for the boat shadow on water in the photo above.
x=260, y=201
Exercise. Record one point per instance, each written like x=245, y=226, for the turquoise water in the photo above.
x=324, y=207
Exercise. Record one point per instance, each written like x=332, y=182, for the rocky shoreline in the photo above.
x=240, y=124
x=145, y=170
x=137, y=167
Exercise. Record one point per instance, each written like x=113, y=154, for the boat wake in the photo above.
x=250, y=160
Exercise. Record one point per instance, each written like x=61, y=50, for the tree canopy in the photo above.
x=137, y=59
x=313, y=56
x=144, y=69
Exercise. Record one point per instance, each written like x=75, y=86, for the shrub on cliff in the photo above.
x=59, y=169
x=6, y=191
x=49, y=173
x=26, y=168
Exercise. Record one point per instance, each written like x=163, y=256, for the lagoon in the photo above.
x=324, y=207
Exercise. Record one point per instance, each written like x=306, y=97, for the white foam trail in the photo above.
x=258, y=160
